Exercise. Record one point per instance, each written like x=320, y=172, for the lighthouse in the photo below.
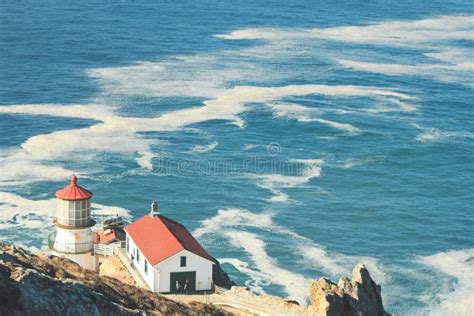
x=73, y=236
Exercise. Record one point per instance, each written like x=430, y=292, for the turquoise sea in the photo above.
x=293, y=138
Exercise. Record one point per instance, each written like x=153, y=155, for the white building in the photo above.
x=166, y=255
x=73, y=236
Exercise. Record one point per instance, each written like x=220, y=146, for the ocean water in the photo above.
x=294, y=139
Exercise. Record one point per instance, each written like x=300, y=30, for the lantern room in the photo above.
x=74, y=206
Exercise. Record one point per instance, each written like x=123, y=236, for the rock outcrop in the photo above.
x=39, y=285
x=360, y=296
x=220, y=277
x=113, y=267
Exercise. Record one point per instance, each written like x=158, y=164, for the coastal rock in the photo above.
x=113, y=267
x=360, y=296
x=40, y=285
x=220, y=277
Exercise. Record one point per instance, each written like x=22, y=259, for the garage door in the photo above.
x=181, y=278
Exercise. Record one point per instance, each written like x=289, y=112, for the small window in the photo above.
x=138, y=255
x=183, y=261
x=146, y=266
x=127, y=242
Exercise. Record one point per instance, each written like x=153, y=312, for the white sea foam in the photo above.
x=403, y=33
x=294, y=111
x=192, y=76
x=310, y=168
x=458, y=298
x=437, y=35
x=461, y=72
x=315, y=256
x=118, y=134
x=430, y=134
x=307, y=115
x=264, y=270
x=201, y=149
x=249, y=146
x=261, y=34
x=233, y=217
x=342, y=126
x=294, y=284
x=258, y=278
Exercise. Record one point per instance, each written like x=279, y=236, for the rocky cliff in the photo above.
x=360, y=296
x=39, y=285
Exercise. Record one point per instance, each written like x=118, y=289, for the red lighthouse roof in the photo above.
x=159, y=237
x=73, y=192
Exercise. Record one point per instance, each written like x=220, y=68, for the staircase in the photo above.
x=120, y=253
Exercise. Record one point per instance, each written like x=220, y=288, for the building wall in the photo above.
x=203, y=268
x=139, y=265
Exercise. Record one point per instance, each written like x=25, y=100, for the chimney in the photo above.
x=154, y=209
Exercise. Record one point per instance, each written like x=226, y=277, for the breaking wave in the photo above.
x=458, y=296
x=264, y=271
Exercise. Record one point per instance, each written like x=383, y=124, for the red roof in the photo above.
x=159, y=237
x=73, y=192
x=104, y=237
x=107, y=236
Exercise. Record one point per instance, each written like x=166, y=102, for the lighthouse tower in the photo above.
x=73, y=236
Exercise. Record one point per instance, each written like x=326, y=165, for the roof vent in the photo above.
x=154, y=209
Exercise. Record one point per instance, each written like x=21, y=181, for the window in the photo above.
x=146, y=266
x=127, y=242
x=183, y=261
x=138, y=255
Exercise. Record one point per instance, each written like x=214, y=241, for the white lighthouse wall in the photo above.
x=139, y=265
x=73, y=240
x=202, y=266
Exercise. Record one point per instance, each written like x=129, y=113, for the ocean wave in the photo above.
x=311, y=168
x=266, y=269
x=457, y=298
x=294, y=284
x=258, y=278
